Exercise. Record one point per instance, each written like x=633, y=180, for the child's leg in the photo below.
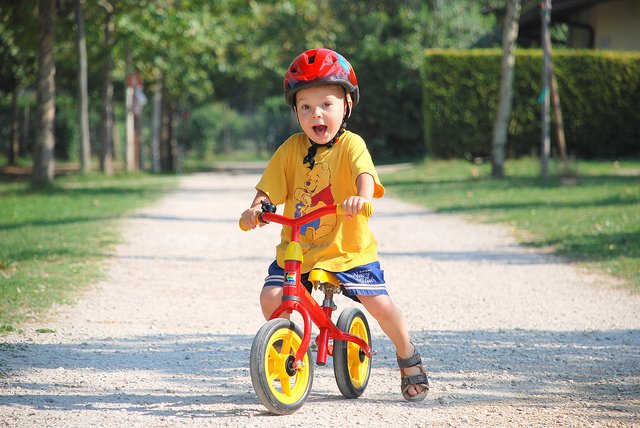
x=394, y=326
x=391, y=321
x=270, y=299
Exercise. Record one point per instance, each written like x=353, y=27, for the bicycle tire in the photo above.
x=279, y=387
x=352, y=368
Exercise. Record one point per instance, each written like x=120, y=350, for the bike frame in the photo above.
x=295, y=296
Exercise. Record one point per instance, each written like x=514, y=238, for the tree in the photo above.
x=106, y=116
x=545, y=143
x=18, y=62
x=509, y=38
x=550, y=84
x=195, y=52
x=461, y=24
x=83, y=92
x=43, y=163
x=174, y=46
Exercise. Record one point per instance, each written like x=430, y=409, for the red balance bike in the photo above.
x=281, y=361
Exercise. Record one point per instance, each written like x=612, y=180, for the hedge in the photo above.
x=599, y=93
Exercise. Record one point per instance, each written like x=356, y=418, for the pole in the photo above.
x=557, y=114
x=507, y=64
x=545, y=143
x=156, y=125
x=83, y=91
x=129, y=148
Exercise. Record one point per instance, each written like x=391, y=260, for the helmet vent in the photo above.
x=312, y=59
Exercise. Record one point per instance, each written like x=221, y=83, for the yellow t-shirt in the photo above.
x=334, y=242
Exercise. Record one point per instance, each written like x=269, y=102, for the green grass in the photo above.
x=592, y=217
x=53, y=241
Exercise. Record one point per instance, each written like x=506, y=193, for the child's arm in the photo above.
x=365, y=186
x=250, y=216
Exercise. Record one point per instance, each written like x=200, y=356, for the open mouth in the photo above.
x=320, y=130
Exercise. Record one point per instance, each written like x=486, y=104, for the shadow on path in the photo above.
x=187, y=375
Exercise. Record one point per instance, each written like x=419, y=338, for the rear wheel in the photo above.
x=280, y=386
x=350, y=364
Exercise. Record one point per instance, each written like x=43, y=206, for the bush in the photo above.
x=599, y=93
x=212, y=128
x=67, y=132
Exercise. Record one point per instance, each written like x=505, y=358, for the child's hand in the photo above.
x=353, y=204
x=250, y=217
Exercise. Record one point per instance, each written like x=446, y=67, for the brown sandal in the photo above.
x=416, y=380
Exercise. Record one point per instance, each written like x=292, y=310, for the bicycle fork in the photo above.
x=296, y=298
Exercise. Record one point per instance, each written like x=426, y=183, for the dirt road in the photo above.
x=512, y=337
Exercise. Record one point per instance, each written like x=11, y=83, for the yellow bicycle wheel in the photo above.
x=351, y=366
x=280, y=386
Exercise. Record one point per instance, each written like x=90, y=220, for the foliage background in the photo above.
x=221, y=64
x=599, y=92
x=233, y=53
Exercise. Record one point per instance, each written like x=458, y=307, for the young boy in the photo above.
x=325, y=165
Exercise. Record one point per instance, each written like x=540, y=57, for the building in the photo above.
x=585, y=24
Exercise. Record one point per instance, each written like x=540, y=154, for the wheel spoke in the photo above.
x=285, y=383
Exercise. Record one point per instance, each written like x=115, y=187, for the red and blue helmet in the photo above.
x=317, y=67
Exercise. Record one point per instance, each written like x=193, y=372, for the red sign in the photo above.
x=134, y=80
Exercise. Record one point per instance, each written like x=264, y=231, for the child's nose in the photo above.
x=317, y=112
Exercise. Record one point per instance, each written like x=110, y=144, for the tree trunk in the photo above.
x=26, y=128
x=157, y=130
x=500, y=126
x=167, y=146
x=14, y=143
x=130, y=123
x=545, y=143
x=43, y=162
x=557, y=113
x=83, y=92
x=106, y=157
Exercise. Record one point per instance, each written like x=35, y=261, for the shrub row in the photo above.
x=599, y=93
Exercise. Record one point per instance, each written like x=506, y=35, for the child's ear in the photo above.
x=348, y=106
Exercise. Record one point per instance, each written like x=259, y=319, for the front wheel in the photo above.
x=350, y=364
x=280, y=387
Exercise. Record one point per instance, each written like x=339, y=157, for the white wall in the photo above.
x=616, y=24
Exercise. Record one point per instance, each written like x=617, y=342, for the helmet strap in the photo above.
x=313, y=148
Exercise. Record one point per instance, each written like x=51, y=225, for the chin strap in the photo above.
x=313, y=148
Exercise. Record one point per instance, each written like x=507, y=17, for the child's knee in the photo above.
x=270, y=296
x=270, y=292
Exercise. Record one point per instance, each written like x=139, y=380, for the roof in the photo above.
x=560, y=10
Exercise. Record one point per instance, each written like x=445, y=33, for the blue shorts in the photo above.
x=366, y=280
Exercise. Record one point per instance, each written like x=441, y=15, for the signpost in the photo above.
x=135, y=101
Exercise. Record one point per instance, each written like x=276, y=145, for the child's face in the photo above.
x=321, y=110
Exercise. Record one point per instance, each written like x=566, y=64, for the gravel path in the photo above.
x=512, y=337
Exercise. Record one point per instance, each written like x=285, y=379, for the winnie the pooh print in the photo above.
x=316, y=193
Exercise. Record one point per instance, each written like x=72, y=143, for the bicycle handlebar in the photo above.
x=266, y=216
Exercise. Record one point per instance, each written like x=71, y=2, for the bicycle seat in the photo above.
x=319, y=276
